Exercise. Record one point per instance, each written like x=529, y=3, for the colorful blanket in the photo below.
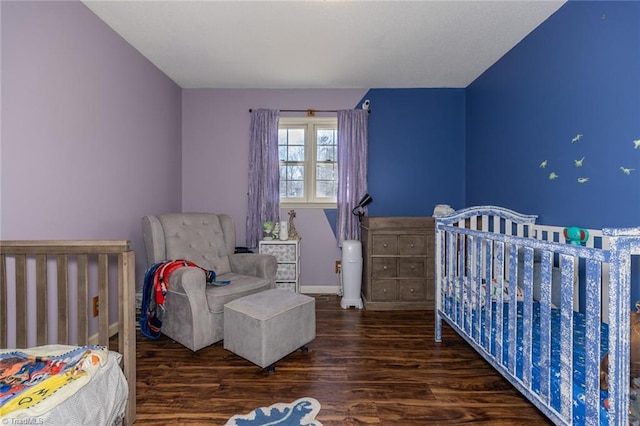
x=33, y=381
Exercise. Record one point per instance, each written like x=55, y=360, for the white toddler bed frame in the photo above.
x=481, y=245
x=51, y=264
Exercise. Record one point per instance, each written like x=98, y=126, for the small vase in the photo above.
x=284, y=231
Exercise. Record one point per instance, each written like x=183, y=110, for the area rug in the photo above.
x=301, y=412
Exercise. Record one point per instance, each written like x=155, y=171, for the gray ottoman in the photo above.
x=267, y=326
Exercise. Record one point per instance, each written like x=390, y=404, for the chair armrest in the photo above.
x=190, y=282
x=257, y=265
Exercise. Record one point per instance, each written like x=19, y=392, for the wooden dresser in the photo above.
x=398, y=263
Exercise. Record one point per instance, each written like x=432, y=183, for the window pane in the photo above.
x=282, y=136
x=326, y=153
x=296, y=153
x=295, y=189
x=325, y=189
x=291, y=136
x=326, y=145
x=296, y=136
x=291, y=181
x=326, y=171
x=295, y=172
x=291, y=144
x=326, y=137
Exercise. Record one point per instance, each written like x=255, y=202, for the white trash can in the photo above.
x=351, y=274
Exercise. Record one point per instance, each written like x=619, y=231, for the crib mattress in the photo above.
x=101, y=401
x=578, y=354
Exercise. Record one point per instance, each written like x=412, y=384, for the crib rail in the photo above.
x=54, y=279
x=485, y=280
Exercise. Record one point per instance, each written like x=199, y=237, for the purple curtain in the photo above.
x=264, y=173
x=352, y=170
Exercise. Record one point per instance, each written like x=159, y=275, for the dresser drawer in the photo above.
x=411, y=290
x=414, y=244
x=411, y=267
x=383, y=244
x=384, y=290
x=431, y=268
x=383, y=267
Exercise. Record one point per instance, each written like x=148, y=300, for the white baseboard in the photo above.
x=319, y=289
x=113, y=330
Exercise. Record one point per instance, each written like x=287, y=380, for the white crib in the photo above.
x=513, y=290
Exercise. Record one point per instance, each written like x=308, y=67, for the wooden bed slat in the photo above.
x=103, y=300
x=63, y=306
x=41, y=299
x=83, y=292
x=4, y=304
x=21, y=301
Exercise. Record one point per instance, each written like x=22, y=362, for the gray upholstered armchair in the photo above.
x=194, y=310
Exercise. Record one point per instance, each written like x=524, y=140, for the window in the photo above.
x=308, y=151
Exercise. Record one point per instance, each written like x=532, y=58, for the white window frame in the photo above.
x=310, y=124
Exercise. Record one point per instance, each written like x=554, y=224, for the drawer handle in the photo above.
x=385, y=245
x=413, y=267
x=384, y=267
x=413, y=290
x=384, y=290
x=412, y=245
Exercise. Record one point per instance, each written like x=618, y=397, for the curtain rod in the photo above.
x=310, y=112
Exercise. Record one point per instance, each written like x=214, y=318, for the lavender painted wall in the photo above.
x=91, y=129
x=215, y=155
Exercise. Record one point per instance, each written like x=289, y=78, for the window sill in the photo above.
x=308, y=206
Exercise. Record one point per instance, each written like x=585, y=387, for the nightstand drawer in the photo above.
x=289, y=286
x=287, y=272
x=282, y=252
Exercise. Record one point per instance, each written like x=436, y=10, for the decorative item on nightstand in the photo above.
x=293, y=234
x=284, y=234
x=287, y=254
x=268, y=227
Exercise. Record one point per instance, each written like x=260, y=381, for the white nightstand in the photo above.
x=287, y=254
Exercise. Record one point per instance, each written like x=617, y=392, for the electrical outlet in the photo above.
x=338, y=266
x=95, y=306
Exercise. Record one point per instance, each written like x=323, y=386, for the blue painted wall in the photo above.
x=416, y=150
x=576, y=74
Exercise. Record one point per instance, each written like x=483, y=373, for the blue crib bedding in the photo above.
x=578, y=355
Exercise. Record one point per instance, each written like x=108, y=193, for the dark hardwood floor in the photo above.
x=364, y=367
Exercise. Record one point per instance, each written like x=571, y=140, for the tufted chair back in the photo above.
x=206, y=239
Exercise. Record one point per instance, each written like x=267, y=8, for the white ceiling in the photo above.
x=323, y=44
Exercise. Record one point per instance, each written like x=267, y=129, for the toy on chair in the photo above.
x=575, y=235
